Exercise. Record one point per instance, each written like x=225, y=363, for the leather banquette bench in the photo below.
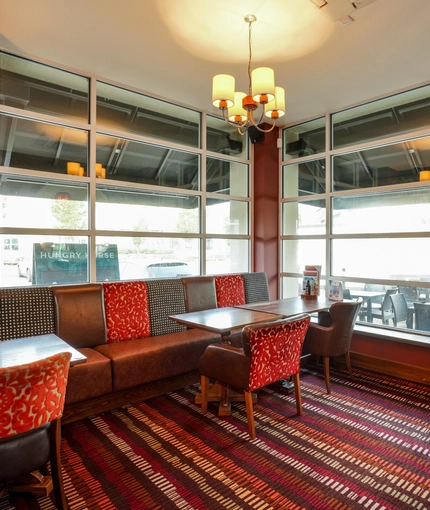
x=134, y=351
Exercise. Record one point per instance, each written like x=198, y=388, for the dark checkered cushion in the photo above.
x=165, y=297
x=256, y=287
x=26, y=311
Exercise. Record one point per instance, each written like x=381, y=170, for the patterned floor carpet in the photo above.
x=367, y=445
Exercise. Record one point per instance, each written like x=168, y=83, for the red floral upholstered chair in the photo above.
x=271, y=352
x=31, y=406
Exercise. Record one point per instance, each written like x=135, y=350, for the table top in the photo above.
x=367, y=293
x=291, y=306
x=223, y=320
x=26, y=350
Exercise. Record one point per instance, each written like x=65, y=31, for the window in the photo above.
x=129, y=187
x=363, y=214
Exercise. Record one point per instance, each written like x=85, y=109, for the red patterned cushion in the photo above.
x=230, y=290
x=32, y=395
x=275, y=352
x=126, y=308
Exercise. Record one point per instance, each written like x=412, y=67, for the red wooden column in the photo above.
x=266, y=210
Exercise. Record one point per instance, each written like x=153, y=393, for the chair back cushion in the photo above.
x=199, y=292
x=230, y=290
x=80, y=314
x=127, y=314
x=275, y=349
x=32, y=395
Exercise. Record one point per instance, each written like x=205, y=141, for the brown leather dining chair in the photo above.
x=271, y=351
x=31, y=405
x=332, y=335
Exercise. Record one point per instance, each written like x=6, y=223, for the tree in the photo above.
x=70, y=214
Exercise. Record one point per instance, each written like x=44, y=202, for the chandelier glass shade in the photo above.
x=238, y=107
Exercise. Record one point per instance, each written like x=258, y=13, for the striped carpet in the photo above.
x=367, y=445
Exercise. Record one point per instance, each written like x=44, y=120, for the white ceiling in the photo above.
x=172, y=48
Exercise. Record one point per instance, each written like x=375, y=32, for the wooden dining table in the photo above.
x=289, y=307
x=225, y=320
x=26, y=350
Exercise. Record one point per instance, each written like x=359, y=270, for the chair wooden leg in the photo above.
x=327, y=373
x=348, y=364
x=250, y=414
x=204, y=391
x=297, y=391
x=57, y=477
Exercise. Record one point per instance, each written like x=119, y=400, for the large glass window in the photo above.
x=227, y=255
x=146, y=211
x=129, y=187
x=225, y=139
x=304, y=139
x=31, y=86
x=226, y=216
x=41, y=146
x=29, y=202
x=384, y=165
x=394, y=115
x=143, y=163
x=226, y=177
x=122, y=109
x=370, y=226
x=154, y=257
x=303, y=178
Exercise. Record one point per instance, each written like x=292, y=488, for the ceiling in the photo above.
x=172, y=48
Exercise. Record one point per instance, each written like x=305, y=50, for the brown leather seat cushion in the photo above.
x=90, y=379
x=143, y=360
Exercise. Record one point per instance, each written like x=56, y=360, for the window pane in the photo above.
x=40, y=88
x=47, y=260
x=225, y=139
x=296, y=253
x=389, y=259
x=129, y=111
x=400, y=211
x=304, y=139
x=145, y=211
x=227, y=256
x=291, y=287
x=382, y=166
x=395, y=115
x=144, y=163
x=154, y=257
x=304, y=218
x=48, y=204
x=226, y=216
x=227, y=177
x=302, y=179
x=39, y=146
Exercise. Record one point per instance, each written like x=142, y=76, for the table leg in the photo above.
x=221, y=393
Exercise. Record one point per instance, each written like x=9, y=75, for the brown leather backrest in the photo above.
x=200, y=293
x=79, y=314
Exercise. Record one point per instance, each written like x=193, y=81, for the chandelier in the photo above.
x=238, y=109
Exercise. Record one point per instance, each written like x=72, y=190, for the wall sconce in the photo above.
x=424, y=175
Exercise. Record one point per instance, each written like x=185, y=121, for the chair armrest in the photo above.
x=227, y=364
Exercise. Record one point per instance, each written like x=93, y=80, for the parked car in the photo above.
x=25, y=269
x=168, y=269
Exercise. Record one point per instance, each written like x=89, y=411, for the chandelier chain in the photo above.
x=250, y=53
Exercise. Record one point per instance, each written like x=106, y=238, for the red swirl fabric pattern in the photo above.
x=275, y=352
x=230, y=290
x=32, y=395
x=126, y=308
